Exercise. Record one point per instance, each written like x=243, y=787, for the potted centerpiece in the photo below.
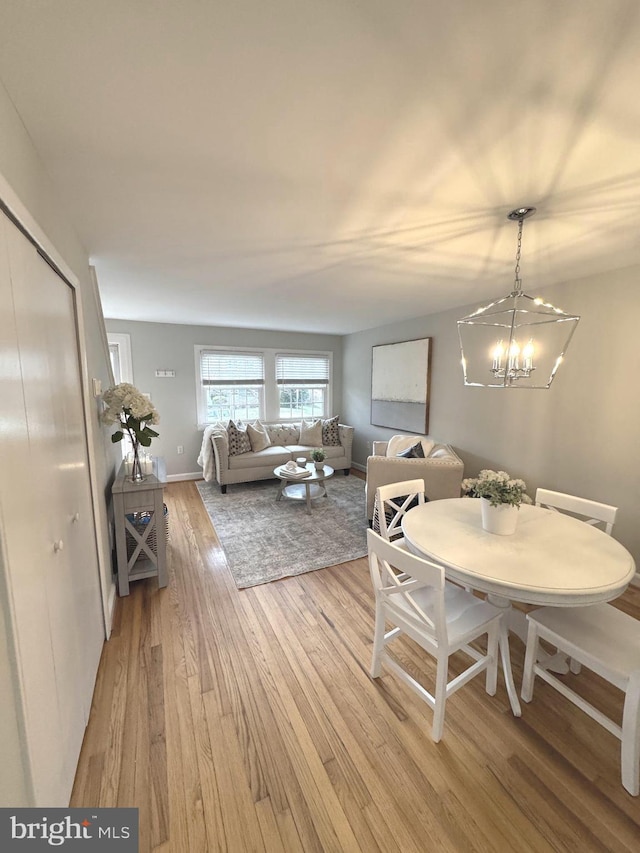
x=318, y=456
x=500, y=496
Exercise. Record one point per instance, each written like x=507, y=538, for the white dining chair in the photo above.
x=591, y=512
x=588, y=511
x=607, y=641
x=392, y=503
x=411, y=594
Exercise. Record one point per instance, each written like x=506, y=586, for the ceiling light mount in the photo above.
x=521, y=213
x=515, y=341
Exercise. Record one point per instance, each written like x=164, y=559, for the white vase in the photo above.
x=319, y=466
x=501, y=519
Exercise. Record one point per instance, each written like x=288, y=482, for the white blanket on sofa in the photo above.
x=206, y=458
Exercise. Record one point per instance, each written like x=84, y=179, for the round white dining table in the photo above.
x=552, y=559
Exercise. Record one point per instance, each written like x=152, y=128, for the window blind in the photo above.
x=302, y=369
x=231, y=368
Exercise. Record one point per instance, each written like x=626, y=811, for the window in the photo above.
x=303, y=382
x=231, y=385
x=269, y=384
x=120, y=356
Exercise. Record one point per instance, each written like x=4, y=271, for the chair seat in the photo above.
x=606, y=639
x=464, y=612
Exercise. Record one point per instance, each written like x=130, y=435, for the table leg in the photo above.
x=308, y=497
x=505, y=605
x=283, y=483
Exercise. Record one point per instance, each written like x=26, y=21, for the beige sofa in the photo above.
x=441, y=470
x=217, y=464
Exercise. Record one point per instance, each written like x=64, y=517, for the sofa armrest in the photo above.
x=442, y=477
x=346, y=439
x=220, y=442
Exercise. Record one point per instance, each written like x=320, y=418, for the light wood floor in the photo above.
x=246, y=721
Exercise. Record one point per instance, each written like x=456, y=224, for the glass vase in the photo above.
x=136, y=475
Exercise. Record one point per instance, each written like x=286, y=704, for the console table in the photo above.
x=141, y=527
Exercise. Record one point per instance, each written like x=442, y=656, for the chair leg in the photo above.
x=493, y=635
x=530, y=658
x=630, y=751
x=440, y=697
x=378, y=643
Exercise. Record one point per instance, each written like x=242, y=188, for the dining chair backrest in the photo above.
x=393, y=501
x=411, y=596
x=396, y=574
x=591, y=512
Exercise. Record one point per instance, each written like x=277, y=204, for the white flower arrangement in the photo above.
x=132, y=411
x=497, y=487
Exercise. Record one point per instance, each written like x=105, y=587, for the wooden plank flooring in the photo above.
x=246, y=721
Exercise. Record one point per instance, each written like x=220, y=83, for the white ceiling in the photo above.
x=331, y=165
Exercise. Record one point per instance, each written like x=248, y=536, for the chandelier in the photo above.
x=515, y=341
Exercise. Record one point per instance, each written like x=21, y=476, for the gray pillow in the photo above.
x=415, y=452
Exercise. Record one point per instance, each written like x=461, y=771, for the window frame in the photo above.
x=271, y=388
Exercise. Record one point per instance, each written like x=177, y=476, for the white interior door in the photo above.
x=52, y=576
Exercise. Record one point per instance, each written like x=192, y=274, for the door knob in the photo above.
x=58, y=546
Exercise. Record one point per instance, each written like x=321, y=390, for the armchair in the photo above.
x=442, y=472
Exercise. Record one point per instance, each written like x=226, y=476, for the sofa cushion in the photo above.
x=239, y=441
x=271, y=456
x=440, y=453
x=283, y=433
x=330, y=432
x=258, y=436
x=311, y=433
x=305, y=450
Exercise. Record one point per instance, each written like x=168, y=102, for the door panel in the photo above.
x=55, y=590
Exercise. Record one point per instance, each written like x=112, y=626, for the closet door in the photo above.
x=53, y=573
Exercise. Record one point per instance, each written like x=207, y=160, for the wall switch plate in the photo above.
x=180, y=449
x=166, y=374
x=97, y=387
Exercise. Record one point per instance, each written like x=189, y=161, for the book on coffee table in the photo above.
x=298, y=474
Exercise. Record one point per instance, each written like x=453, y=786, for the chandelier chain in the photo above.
x=518, y=280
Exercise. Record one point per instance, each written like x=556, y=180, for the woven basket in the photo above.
x=139, y=520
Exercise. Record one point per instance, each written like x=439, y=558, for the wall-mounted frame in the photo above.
x=400, y=382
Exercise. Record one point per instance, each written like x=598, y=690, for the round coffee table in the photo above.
x=303, y=488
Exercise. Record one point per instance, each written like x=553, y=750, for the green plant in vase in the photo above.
x=132, y=412
x=318, y=456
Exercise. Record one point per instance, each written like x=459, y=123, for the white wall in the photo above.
x=160, y=346
x=580, y=436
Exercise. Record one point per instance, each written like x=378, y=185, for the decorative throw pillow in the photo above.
x=398, y=443
x=330, y=432
x=311, y=433
x=441, y=453
x=258, y=436
x=239, y=441
x=389, y=513
x=414, y=452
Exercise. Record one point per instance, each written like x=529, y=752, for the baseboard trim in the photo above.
x=175, y=478
x=359, y=467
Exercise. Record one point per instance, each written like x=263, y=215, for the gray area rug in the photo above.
x=265, y=539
